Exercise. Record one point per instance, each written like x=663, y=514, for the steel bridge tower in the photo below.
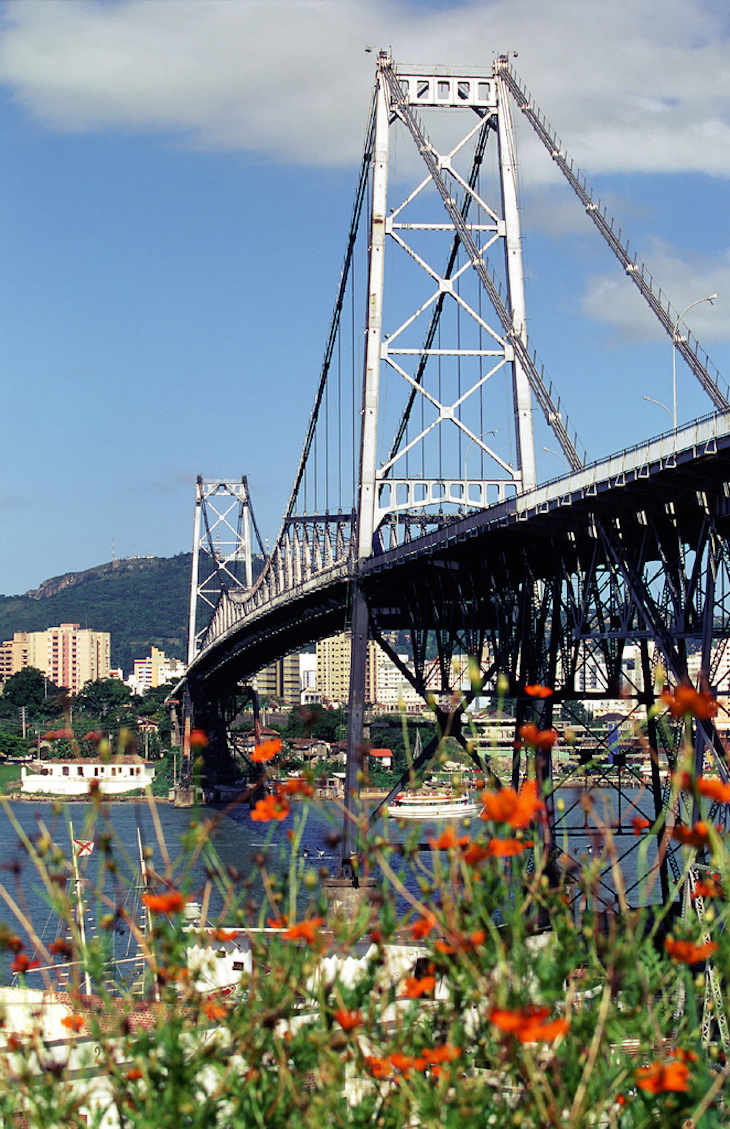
x=417, y=225
x=222, y=554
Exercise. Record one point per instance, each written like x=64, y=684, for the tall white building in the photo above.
x=68, y=655
x=154, y=671
x=393, y=690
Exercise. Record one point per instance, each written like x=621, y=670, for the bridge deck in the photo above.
x=672, y=480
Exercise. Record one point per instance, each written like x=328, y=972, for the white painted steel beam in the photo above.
x=515, y=287
x=371, y=384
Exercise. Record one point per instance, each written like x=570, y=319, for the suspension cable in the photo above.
x=336, y=315
x=624, y=252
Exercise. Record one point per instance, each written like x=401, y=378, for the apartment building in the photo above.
x=280, y=680
x=68, y=655
x=154, y=671
x=333, y=669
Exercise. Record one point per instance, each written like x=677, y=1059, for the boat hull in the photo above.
x=432, y=808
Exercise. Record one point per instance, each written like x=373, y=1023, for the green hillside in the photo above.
x=140, y=602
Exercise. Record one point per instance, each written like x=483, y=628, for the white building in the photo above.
x=394, y=691
x=75, y=777
x=154, y=671
x=308, y=671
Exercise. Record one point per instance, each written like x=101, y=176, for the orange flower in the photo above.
x=422, y=926
x=447, y=840
x=171, y=902
x=697, y=836
x=406, y=1063
x=688, y=702
x=658, y=1078
x=214, y=1010
x=134, y=1074
x=714, y=789
x=198, y=739
x=61, y=947
x=686, y=952
x=304, y=931
x=296, y=786
x=414, y=987
x=22, y=963
x=474, y=854
x=538, y=691
x=684, y=1055
x=518, y=809
x=266, y=751
x=507, y=848
x=271, y=807
x=708, y=887
x=173, y=973
x=378, y=1067
x=640, y=824
x=223, y=934
x=73, y=1022
x=529, y=1024
x=461, y=943
x=348, y=1019
x=542, y=739
x=438, y=1055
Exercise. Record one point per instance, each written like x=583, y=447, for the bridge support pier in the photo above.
x=183, y=796
x=358, y=670
x=346, y=896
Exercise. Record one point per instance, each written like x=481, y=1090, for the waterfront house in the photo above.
x=75, y=777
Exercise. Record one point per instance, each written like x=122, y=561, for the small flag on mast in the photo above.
x=83, y=846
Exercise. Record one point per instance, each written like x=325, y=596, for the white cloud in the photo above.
x=615, y=300
x=630, y=86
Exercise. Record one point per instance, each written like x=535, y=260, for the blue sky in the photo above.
x=176, y=183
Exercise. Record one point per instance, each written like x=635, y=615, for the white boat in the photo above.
x=432, y=805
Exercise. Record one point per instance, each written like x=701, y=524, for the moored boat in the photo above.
x=432, y=805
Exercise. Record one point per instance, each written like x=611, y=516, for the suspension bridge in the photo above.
x=416, y=504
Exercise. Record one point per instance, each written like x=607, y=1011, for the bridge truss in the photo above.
x=415, y=505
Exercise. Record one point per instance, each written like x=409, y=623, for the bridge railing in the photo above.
x=308, y=549
x=664, y=445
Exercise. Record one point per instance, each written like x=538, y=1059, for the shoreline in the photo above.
x=43, y=797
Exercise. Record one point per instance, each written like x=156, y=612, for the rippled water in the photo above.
x=239, y=843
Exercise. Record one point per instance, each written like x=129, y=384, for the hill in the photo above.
x=141, y=602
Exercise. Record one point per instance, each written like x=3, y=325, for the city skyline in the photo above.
x=177, y=186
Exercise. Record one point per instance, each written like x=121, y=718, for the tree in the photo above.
x=152, y=701
x=31, y=688
x=105, y=697
x=316, y=721
x=12, y=746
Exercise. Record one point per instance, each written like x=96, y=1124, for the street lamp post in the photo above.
x=557, y=456
x=673, y=418
x=468, y=449
x=675, y=338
